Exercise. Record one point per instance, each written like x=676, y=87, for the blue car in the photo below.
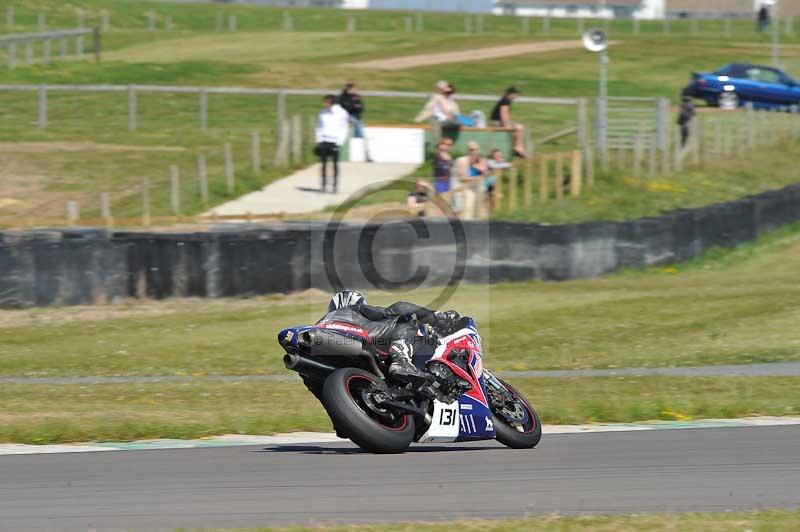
x=739, y=83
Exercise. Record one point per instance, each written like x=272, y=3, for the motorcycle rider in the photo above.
x=396, y=325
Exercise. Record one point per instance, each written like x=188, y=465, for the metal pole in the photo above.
x=175, y=190
x=42, y=106
x=131, y=108
x=203, y=175
x=229, y=167
x=602, y=138
x=204, y=110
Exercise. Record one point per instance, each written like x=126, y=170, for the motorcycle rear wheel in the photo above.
x=345, y=396
x=527, y=434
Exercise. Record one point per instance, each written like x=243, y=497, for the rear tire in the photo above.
x=344, y=395
x=512, y=437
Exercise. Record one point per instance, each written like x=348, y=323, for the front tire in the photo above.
x=516, y=426
x=346, y=397
x=728, y=100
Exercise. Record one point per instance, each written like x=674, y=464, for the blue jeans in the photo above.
x=358, y=127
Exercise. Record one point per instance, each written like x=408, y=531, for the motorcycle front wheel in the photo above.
x=347, y=396
x=516, y=422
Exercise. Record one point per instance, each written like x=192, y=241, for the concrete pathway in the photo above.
x=300, y=192
x=777, y=369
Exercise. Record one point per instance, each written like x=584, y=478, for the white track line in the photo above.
x=303, y=438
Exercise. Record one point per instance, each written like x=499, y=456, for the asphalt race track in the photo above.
x=659, y=470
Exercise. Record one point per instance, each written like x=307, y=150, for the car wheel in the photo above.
x=728, y=100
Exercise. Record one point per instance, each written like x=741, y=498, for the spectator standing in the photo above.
x=496, y=164
x=333, y=125
x=351, y=102
x=470, y=168
x=762, y=19
x=442, y=166
x=685, y=118
x=501, y=117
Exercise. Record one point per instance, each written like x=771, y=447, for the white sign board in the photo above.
x=390, y=145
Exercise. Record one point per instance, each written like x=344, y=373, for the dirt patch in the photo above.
x=463, y=56
x=44, y=147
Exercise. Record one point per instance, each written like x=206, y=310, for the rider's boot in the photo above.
x=402, y=368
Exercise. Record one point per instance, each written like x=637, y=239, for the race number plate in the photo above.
x=445, y=424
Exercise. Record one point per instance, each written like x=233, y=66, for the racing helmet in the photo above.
x=345, y=298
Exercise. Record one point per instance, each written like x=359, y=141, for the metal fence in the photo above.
x=282, y=94
x=28, y=41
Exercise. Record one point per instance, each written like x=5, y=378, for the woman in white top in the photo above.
x=333, y=126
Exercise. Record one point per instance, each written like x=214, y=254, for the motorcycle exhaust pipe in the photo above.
x=302, y=364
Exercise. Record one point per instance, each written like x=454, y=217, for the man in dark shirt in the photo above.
x=501, y=117
x=351, y=101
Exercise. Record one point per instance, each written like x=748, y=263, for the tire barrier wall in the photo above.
x=91, y=266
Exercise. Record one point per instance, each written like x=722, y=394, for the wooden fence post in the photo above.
x=545, y=25
x=589, y=151
x=559, y=176
x=288, y=23
x=409, y=24
x=175, y=189
x=420, y=22
x=42, y=22
x=202, y=173
x=232, y=23
x=527, y=186
x=106, y=24
x=10, y=18
x=651, y=163
x=145, y=201
x=255, y=151
x=498, y=188
x=575, y=177
x=351, y=24
x=229, y=177
x=678, y=150
x=467, y=24
x=105, y=209
x=543, y=179
x=219, y=21
x=512, y=188
x=73, y=212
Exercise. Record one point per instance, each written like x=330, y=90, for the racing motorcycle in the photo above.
x=460, y=400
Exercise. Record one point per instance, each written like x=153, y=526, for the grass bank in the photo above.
x=729, y=307
x=760, y=521
x=649, y=63
x=42, y=414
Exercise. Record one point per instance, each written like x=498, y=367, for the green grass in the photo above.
x=649, y=64
x=759, y=521
x=39, y=414
x=737, y=306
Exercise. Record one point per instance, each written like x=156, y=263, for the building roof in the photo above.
x=571, y=3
